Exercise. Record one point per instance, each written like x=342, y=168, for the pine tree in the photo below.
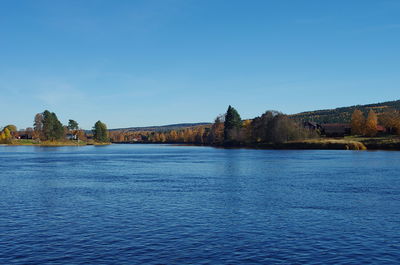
x=232, y=124
x=100, y=132
x=73, y=125
x=357, y=123
x=52, y=127
x=371, y=125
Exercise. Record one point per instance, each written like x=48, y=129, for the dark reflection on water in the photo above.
x=125, y=204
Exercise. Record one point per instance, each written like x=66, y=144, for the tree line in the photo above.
x=47, y=127
x=227, y=130
x=369, y=126
x=344, y=114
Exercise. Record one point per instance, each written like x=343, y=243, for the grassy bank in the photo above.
x=55, y=143
x=346, y=143
x=390, y=142
x=313, y=144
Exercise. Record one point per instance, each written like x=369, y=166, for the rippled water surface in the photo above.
x=160, y=204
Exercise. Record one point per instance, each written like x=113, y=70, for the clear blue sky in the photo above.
x=137, y=63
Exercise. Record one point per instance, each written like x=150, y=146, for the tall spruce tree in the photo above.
x=100, y=133
x=52, y=127
x=232, y=124
x=73, y=125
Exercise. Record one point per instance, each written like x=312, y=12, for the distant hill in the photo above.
x=343, y=115
x=162, y=128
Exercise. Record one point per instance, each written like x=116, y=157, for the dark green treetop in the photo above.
x=73, y=125
x=52, y=127
x=232, y=123
x=100, y=132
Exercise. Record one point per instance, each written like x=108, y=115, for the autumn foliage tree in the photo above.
x=357, y=123
x=5, y=136
x=276, y=127
x=38, y=126
x=371, y=124
x=391, y=121
x=216, y=134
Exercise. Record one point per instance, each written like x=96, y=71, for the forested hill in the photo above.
x=162, y=128
x=343, y=115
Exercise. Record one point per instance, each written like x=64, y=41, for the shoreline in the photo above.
x=350, y=143
x=54, y=144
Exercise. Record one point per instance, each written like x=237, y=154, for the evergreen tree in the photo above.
x=357, y=123
x=100, y=133
x=52, y=127
x=232, y=124
x=371, y=125
x=73, y=125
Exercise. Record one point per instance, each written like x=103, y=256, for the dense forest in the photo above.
x=343, y=115
x=162, y=128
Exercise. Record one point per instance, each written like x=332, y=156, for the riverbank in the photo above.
x=17, y=142
x=346, y=143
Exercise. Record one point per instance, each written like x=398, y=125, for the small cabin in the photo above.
x=25, y=136
x=312, y=125
x=336, y=129
x=70, y=136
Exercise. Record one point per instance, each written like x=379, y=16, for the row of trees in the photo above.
x=364, y=126
x=227, y=129
x=47, y=127
x=369, y=126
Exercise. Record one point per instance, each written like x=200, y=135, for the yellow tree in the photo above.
x=199, y=136
x=173, y=136
x=247, y=130
x=7, y=134
x=2, y=137
x=357, y=123
x=162, y=137
x=371, y=125
x=391, y=120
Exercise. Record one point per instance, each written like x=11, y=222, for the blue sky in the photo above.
x=139, y=63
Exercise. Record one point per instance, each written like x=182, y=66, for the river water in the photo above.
x=164, y=204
